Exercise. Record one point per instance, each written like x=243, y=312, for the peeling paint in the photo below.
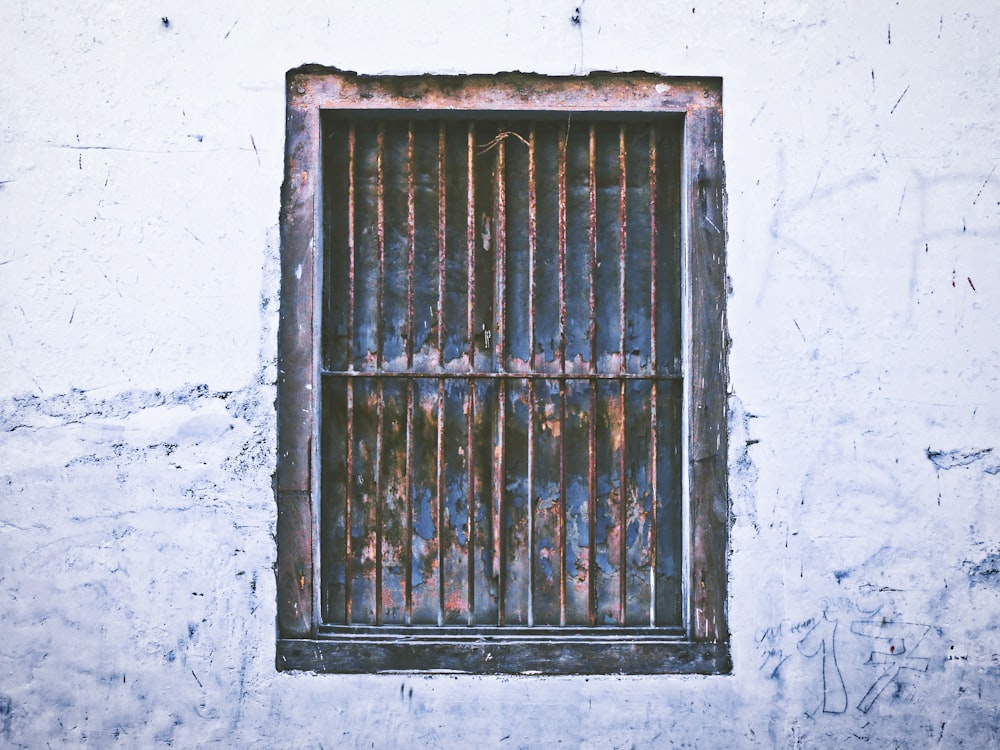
x=984, y=572
x=951, y=459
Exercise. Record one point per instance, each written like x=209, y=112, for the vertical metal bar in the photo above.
x=442, y=241
x=562, y=369
x=470, y=242
x=654, y=400
x=499, y=323
x=592, y=333
x=380, y=306
x=348, y=525
x=408, y=479
x=470, y=479
x=439, y=493
x=351, y=147
x=411, y=244
x=532, y=250
x=622, y=484
x=442, y=259
x=380, y=245
x=532, y=260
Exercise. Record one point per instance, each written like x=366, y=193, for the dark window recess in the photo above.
x=501, y=378
x=483, y=352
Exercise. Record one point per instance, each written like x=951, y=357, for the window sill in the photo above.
x=523, y=651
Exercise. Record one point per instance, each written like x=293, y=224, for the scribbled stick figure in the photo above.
x=892, y=653
x=822, y=637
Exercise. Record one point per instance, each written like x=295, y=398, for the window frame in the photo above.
x=704, y=646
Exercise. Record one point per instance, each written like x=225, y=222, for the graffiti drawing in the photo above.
x=863, y=658
x=895, y=643
x=822, y=639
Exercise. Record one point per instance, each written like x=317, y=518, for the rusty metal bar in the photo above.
x=499, y=469
x=470, y=485
x=561, y=250
x=380, y=244
x=349, y=484
x=501, y=252
x=442, y=259
x=592, y=417
x=532, y=261
x=592, y=241
x=348, y=501
x=411, y=243
x=408, y=479
x=532, y=250
x=408, y=501
x=380, y=328
x=442, y=234
x=351, y=150
x=499, y=322
x=470, y=477
x=654, y=400
x=622, y=246
x=622, y=322
x=470, y=242
x=439, y=495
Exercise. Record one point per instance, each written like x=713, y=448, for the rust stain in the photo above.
x=454, y=601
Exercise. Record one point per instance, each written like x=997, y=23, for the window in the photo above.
x=501, y=393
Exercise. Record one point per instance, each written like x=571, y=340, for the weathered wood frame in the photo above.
x=303, y=643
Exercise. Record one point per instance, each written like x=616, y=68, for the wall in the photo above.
x=141, y=152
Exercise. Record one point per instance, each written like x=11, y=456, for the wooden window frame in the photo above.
x=703, y=647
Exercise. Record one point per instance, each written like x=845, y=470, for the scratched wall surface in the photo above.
x=140, y=167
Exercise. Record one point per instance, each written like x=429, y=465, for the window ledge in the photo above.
x=489, y=651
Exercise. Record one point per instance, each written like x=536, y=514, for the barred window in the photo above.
x=502, y=382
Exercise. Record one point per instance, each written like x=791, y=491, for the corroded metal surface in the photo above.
x=488, y=203
x=322, y=88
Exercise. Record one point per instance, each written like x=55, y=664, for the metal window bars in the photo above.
x=501, y=389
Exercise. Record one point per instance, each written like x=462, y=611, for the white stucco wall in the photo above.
x=141, y=152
